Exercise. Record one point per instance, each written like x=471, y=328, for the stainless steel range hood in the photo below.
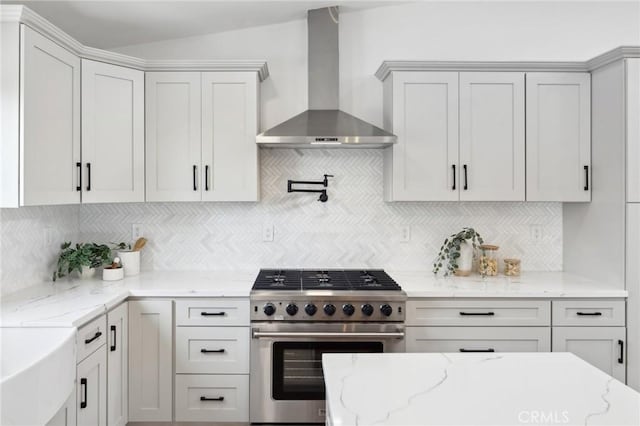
x=323, y=124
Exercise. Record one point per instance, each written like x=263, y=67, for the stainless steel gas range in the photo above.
x=296, y=316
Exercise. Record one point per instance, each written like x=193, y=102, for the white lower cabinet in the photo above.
x=478, y=339
x=91, y=389
x=117, y=366
x=603, y=347
x=212, y=350
x=150, y=360
x=212, y=398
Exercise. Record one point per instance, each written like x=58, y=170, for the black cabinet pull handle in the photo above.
x=204, y=398
x=212, y=351
x=95, y=336
x=195, y=170
x=206, y=177
x=83, y=386
x=466, y=183
x=621, y=359
x=477, y=350
x=589, y=314
x=475, y=314
x=79, y=186
x=453, y=167
x=586, y=178
x=212, y=314
x=88, y=176
x=113, y=337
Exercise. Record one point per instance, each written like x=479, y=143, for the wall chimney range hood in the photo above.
x=323, y=125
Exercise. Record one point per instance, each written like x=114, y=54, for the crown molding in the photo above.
x=613, y=55
x=24, y=15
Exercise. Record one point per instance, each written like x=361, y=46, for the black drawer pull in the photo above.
x=95, y=336
x=204, y=398
x=477, y=350
x=113, y=337
x=206, y=177
x=195, y=170
x=589, y=314
x=477, y=314
x=621, y=359
x=586, y=178
x=213, y=314
x=453, y=167
x=88, y=176
x=212, y=351
x=466, y=183
x=83, y=400
x=79, y=186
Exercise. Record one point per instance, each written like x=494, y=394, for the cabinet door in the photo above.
x=492, y=136
x=558, y=137
x=66, y=415
x=632, y=89
x=602, y=347
x=423, y=164
x=229, y=127
x=173, y=136
x=112, y=133
x=92, y=389
x=150, y=360
x=632, y=279
x=50, y=114
x=117, y=365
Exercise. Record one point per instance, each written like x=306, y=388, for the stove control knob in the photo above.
x=292, y=309
x=367, y=309
x=269, y=309
x=386, y=310
x=329, y=309
x=348, y=309
x=310, y=309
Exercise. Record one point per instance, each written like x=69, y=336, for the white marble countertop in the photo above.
x=419, y=284
x=473, y=389
x=74, y=302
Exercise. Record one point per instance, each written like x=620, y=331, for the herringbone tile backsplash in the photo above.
x=355, y=228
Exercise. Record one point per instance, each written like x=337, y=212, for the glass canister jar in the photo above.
x=512, y=267
x=488, y=262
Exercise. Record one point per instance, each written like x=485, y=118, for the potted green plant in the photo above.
x=456, y=253
x=83, y=258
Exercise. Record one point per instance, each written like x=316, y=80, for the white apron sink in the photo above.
x=37, y=373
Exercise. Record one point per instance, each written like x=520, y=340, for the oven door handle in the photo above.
x=294, y=334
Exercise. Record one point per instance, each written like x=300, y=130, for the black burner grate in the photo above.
x=332, y=279
x=278, y=279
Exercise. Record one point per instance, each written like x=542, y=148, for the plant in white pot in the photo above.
x=456, y=253
x=83, y=258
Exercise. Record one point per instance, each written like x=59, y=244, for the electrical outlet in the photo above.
x=267, y=232
x=137, y=231
x=405, y=234
x=537, y=233
x=48, y=236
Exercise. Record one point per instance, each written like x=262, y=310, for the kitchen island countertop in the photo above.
x=473, y=389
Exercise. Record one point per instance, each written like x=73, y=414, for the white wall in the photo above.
x=426, y=30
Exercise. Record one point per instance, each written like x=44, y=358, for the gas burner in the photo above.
x=323, y=277
x=367, y=278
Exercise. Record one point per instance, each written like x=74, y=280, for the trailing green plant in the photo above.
x=89, y=255
x=450, y=250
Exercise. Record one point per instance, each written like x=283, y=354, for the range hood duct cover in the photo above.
x=323, y=124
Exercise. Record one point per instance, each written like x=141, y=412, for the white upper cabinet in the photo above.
x=50, y=115
x=632, y=70
x=492, y=148
x=229, y=127
x=173, y=136
x=421, y=108
x=558, y=137
x=112, y=133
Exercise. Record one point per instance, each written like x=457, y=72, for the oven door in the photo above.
x=287, y=385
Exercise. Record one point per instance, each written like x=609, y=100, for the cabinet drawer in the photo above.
x=212, y=350
x=479, y=312
x=589, y=312
x=212, y=398
x=91, y=337
x=212, y=312
x=478, y=339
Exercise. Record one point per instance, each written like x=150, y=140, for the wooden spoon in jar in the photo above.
x=140, y=242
